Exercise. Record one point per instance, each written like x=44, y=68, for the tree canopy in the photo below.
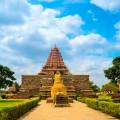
x=17, y=86
x=6, y=77
x=94, y=87
x=113, y=73
x=110, y=87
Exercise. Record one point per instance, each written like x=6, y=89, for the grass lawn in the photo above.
x=12, y=109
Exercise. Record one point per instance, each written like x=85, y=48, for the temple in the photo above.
x=43, y=81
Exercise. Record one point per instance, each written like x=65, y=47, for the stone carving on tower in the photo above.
x=54, y=63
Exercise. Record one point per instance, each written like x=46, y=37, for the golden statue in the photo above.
x=58, y=87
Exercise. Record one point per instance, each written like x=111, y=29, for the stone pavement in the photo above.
x=77, y=111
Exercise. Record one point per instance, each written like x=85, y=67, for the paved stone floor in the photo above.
x=77, y=111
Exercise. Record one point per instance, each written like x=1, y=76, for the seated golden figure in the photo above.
x=58, y=87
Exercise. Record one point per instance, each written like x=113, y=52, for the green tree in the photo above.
x=6, y=77
x=17, y=86
x=94, y=87
x=110, y=88
x=113, y=73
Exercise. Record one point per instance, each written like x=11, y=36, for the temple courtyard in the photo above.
x=77, y=111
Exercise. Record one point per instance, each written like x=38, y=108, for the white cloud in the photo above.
x=117, y=26
x=116, y=45
x=25, y=44
x=91, y=65
x=110, y=5
x=13, y=11
x=70, y=24
x=91, y=38
x=18, y=62
x=65, y=1
x=89, y=44
x=46, y=0
x=92, y=14
x=41, y=28
x=75, y=1
x=87, y=56
x=118, y=35
x=46, y=24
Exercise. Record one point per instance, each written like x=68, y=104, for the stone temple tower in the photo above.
x=54, y=63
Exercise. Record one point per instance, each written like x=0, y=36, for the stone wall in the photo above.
x=30, y=81
x=81, y=82
x=74, y=83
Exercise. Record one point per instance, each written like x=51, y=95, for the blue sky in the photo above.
x=87, y=32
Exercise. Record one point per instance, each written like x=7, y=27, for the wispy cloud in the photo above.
x=110, y=5
x=46, y=0
x=91, y=65
x=13, y=11
x=93, y=16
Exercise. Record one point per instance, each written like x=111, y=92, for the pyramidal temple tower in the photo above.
x=43, y=81
x=54, y=63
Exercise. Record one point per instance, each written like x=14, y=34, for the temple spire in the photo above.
x=54, y=63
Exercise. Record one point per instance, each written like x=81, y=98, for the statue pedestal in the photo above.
x=61, y=100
